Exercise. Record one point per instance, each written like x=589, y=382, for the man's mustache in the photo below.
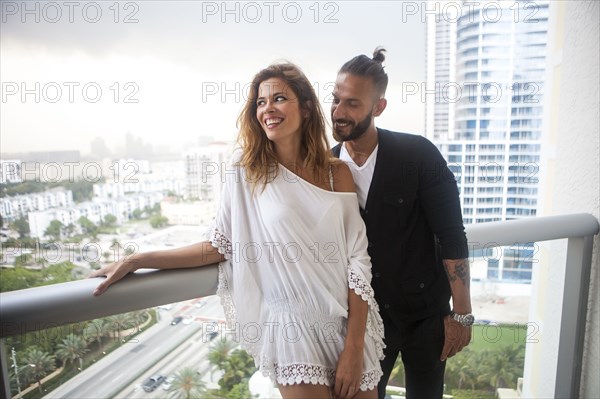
x=343, y=121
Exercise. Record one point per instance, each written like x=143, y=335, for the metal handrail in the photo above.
x=39, y=308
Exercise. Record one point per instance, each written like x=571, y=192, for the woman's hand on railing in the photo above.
x=114, y=272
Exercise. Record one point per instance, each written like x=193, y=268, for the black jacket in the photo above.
x=413, y=221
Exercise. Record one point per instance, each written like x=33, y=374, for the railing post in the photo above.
x=4, y=382
x=574, y=312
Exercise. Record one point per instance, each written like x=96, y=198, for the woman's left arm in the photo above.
x=350, y=364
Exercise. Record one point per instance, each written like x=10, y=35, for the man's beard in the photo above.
x=358, y=130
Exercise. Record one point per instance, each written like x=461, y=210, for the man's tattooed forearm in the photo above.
x=460, y=270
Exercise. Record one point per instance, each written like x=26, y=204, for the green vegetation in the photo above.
x=38, y=364
x=219, y=354
x=187, y=384
x=21, y=226
x=55, y=230
x=494, y=336
x=73, y=346
x=26, y=187
x=25, y=242
x=237, y=367
x=109, y=221
x=494, y=359
x=82, y=189
x=20, y=278
x=89, y=228
x=157, y=221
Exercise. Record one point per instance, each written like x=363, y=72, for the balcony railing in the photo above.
x=39, y=308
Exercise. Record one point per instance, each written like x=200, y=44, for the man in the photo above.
x=410, y=204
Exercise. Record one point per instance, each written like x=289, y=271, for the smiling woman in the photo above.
x=282, y=108
x=307, y=312
x=277, y=110
x=302, y=300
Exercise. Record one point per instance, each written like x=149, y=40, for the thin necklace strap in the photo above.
x=331, y=178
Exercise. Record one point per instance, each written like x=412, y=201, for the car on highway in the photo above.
x=153, y=382
x=212, y=335
x=176, y=320
x=168, y=382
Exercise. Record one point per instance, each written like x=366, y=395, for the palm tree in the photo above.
x=118, y=322
x=138, y=317
x=96, y=329
x=461, y=369
x=515, y=359
x=72, y=348
x=238, y=369
x=498, y=367
x=187, y=384
x=219, y=353
x=38, y=364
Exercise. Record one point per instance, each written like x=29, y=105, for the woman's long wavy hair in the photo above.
x=258, y=152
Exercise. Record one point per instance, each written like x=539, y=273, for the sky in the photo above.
x=170, y=72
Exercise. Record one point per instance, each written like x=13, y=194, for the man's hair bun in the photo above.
x=379, y=54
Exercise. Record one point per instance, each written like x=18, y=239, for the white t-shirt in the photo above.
x=362, y=174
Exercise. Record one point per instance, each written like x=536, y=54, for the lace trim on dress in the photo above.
x=299, y=373
x=360, y=286
x=221, y=243
x=370, y=379
x=374, y=322
x=224, y=293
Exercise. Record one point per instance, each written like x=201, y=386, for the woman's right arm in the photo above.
x=195, y=255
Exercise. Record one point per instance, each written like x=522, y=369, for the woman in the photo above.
x=294, y=273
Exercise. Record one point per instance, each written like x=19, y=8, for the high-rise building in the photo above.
x=487, y=66
x=441, y=56
x=205, y=168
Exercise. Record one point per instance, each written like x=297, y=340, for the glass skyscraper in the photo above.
x=488, y=66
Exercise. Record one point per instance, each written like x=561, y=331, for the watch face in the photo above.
x=468, y=320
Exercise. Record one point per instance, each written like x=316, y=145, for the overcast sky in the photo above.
x=170, y=72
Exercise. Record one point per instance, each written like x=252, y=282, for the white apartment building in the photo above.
x=20, y=205
x=143, y=185
x=122, y=208
x=10, y=171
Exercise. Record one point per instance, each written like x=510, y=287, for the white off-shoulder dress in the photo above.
x=292, y=252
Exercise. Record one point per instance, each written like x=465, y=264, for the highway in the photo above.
x=161, y=349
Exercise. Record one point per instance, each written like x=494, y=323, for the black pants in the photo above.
x=420, y=344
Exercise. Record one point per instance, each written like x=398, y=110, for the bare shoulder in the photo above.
x=342, y=178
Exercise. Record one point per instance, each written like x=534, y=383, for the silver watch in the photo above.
x=465, y=320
